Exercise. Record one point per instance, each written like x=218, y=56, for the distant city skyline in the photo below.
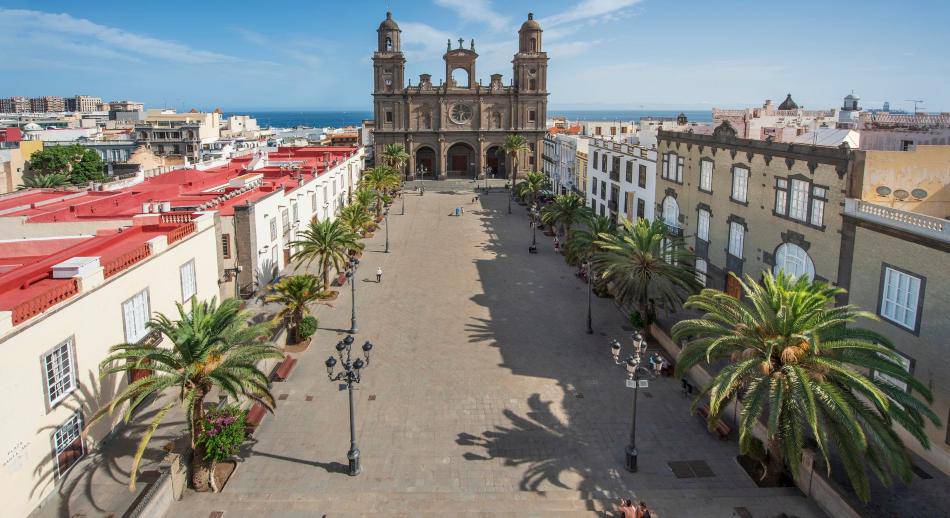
x=605, y=54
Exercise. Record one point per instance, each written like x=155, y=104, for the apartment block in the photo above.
x=621, y=180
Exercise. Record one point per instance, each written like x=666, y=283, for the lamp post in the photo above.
x=351, y=275
x=590, y=330
x=386, y=216
x=351, y=376
x=632, y=366
x=402, y=194
x=534, y=227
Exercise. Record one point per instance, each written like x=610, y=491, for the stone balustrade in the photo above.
x=919, y=224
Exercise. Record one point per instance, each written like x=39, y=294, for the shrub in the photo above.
x=636, y=320
x=222, y=432
x=307, y=327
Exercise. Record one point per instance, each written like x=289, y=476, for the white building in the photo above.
x=621, y=180
x=63, y=302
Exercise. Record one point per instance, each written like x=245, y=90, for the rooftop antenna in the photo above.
x=916, y=102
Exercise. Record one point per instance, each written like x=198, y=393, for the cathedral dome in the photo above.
x=531, y=23
x=389, y=23
x=788, y=104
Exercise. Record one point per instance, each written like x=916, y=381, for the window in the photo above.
x=135, y=313
x=593, y=187
x=794, y=261
x=602, y=211
x=906, y=363
x=679, y=169
x=389, y=116
x=628, y=204
x=596, y=161
x=705, y=175
x=673, y=167
x=702, y=225
x=273, y=228
x=781, y=196
x=701, y=268
x=818, y=198
x=532, y=116
x=67, y=443
x=901, y=295
x=295, y=216
x=59, y=369
x=226, y=246
x=798, y=204
x=603, y=163
x=641, y=208
x=188, y=284
x=603, y=190
x=629, y=172
x=740, y=184
x=736, y=236
x=671, y=211
x=642, y=180
x=907, y=145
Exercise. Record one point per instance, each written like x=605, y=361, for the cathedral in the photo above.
x=455, y=129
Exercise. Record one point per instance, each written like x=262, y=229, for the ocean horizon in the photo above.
x=341, y=118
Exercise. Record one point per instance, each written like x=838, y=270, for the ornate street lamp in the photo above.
x=632, y=365
x=590, y=330
x=386, y=215
x=351, y=376
x=351, y=275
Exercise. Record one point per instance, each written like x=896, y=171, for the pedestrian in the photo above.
x=462, y=209
x=457, y=211
x=627, y=509
x=557, y=244
x=379, y=274
x=643, y=511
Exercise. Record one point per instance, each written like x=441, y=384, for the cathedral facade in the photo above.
x=455, y=129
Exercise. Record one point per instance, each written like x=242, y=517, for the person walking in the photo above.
x=379, y=274
x=643, y=511
x=457, y=211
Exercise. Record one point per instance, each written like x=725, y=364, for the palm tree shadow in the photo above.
x=104, y=459
x=549, y=450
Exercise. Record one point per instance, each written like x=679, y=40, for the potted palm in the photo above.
x=295, y=293
x=210, y=347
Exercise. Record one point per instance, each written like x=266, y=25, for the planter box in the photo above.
x=298, y=347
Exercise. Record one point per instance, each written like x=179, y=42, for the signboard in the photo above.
x=633, y=383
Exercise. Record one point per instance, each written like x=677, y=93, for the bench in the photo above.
x=283, y=369
x=254, y=417
x=721, y=429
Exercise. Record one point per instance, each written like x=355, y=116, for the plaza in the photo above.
x=484, y=394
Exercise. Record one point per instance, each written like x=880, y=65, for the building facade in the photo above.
x=457, y=128
x=47, y=104
x=83, y=104
x=14, y=105
x=748, y=205
x=621, y=180
x=899, y=272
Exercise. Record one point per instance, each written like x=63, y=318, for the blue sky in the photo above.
x=605, y=54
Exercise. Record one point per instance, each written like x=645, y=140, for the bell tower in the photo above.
x=530, y=63
x=389, y=64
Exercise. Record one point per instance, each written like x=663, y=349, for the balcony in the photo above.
x=912, y=222
x=673, y=229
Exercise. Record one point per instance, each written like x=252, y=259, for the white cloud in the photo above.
x=571, y=49
x=476, y=10
x=423, y=41
x=589, y=10
x=18, y=22
x=251, y=36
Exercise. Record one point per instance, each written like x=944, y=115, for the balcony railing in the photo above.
x=181, y=232
x=919, y=224
x=126, y=260
x=673, y=229
x=43, y=301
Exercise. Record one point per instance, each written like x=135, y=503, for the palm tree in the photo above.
x=212, y=347
x=356, y=218
x=798, y=370
x=328, y=242
x=566, y=210
x=44, y=181
x=534, y=182
x=646, y=267
x=365, y=198
x=295, y=293
x=395, y=156
x=513, y=145
x=379, y=180
x=583, y=242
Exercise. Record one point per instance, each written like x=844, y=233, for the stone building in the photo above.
x=457, y=127
x=750, y=205
x=622, y=180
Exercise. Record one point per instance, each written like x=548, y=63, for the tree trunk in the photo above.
x=776, y=464
x=326, y=274
x=199, y=467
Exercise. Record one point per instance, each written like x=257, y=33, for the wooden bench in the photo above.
x=283, y=369
x=254, y=417
x=721, y=429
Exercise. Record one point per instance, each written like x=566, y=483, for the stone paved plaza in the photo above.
x=484, y=394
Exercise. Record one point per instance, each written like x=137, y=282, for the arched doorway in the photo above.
x=495, y=160
x=425, y=162
x=460, y=160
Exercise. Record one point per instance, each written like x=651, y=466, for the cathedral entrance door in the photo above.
x=495, y=160
x=461, y=160
x=425, y=163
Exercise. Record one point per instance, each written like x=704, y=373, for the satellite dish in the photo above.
x=883, y=190
x=919, y=194
x=901, y=194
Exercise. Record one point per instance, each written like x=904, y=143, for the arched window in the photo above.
x=794, y=261
x=532, y=84
x=389, y=44
x=671, y=211
x=532, y=45
x=460, y=78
